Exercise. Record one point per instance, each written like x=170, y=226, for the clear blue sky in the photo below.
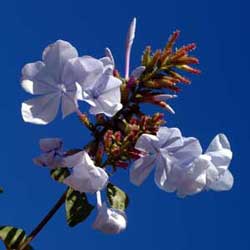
x=217, y=101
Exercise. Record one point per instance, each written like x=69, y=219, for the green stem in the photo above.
x=44, y=221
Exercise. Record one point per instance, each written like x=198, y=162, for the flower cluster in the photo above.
x=123, y=134
x=180, y=164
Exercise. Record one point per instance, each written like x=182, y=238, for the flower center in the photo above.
x=62, y=88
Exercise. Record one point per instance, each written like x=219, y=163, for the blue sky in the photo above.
x=217, y=101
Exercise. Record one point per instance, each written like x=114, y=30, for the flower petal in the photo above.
x=56, y=55
x=87, y=70
x=146, y=143
x=41, y=110
x=141, y=169
x=104, y=107
x=48, y=144
x=220, y=152
x=170, y=138
x=224, y=183
x=109, y=220
x=86, y=177
x=193, y=180
x=162, y=169
x=36, y=80
x=185, y=154
x=136, y=73
x=69, y=103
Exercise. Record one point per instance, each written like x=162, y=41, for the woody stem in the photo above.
x=44, y=221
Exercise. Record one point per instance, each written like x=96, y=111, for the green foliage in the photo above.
x=59, y=174
x=118, y=199
x=77, y=207
x=13, y=237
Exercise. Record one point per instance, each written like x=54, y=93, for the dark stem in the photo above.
x=44, y=221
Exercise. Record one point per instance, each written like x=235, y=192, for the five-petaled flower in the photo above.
x=207, y=171
x=180, y=165
x=165, y=150
x=52, y=153
x=85, y=176
x=97, y=84
x=53, y=80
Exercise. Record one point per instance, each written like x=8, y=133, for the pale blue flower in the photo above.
x=163, y=151
x=207, y=171
x=85, y=176
x=97, y=84
x=53, y=81
x=52, y=153
x=218, y=177
x=109, y=220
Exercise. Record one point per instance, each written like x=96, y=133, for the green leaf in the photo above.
x=77, y=207
x=13, y=237
x=59, y=174
x=118, y=199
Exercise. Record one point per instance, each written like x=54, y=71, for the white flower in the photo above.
x=188, y=179
x=53, y=80
x=207, y=171
x=218, y=177
x=165, y=150
x=97, y=85
x=52, y=153
x=109, y=220
x=85, y=176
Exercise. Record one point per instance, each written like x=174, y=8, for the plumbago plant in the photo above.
x=124, y=137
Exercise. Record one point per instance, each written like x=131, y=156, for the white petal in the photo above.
x=75, y=159
x=224, y=183
x=193, y=180
x=162, y=169
x=146, y=143
x=109, y=220
x=105, y=107
x=185, y=154
x=48, y=144
x=112, y=95
x=141, y=169
x=111, y=83
x=109, y=54
x=41, y=110
x=86, y=177
x=170, y=138
x=212, y=174
x=220, y=152
x=107, y=63
x=87, y=70
x=56, y=55
x=69, y=103
x=50, y=159
x=136, y=73
x=36, y=80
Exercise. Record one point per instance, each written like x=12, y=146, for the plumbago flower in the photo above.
x=52, y=153
x=52, y=80
x=100, y=89
x=164, y=150
x=109, y=220
x=122, y=131
x=85, y=176
x=207, y=171
x=183, y=168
